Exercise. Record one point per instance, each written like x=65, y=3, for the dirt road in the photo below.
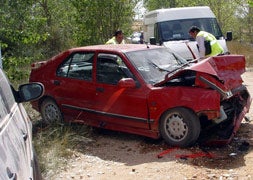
x=113, y=155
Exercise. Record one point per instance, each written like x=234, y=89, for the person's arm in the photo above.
x=200, y=40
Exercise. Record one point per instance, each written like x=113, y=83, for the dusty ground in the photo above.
x=113, y=155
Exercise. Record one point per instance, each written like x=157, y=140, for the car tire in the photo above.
x=51, y=112
x=180, y=127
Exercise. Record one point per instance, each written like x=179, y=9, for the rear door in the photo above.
x=74, y=88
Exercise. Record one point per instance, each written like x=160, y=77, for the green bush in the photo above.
x=17, y=68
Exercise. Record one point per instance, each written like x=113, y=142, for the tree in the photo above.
x=96, y=20
x=59, y=25
x=250, y=2
x=158, y=4
x=18, y=35
x=18, y=29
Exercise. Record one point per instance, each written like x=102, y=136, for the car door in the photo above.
x=75, y=89
x=113, y=104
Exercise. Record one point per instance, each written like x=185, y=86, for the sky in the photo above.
x=139, y=10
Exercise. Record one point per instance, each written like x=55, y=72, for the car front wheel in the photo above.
x=50, y=112
x=180, y=127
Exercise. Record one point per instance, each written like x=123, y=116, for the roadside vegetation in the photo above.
x=31, y=31
x=245, y=49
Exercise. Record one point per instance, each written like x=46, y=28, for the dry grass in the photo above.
x=242, y=48
x=55, y=144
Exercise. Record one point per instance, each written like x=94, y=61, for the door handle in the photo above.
x=100, y=89
x=56, y=82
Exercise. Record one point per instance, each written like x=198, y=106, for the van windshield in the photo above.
x=178, y=29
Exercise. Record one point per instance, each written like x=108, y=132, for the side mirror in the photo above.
x=126, y=83
x=229, y=36
x=29, y=92
x=152, y=40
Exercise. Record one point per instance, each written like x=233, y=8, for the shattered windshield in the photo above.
x=154, y=64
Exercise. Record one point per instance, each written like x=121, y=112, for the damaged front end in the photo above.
x=221, y=130
x=222, y=74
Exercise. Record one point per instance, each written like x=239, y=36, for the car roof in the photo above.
x=117, y=47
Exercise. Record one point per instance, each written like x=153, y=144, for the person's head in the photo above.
x=193, y=31
x=119, y=36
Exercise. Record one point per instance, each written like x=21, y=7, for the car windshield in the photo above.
x=154, y=64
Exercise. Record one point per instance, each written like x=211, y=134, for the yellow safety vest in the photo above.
x=113, y=41
x=216, y=48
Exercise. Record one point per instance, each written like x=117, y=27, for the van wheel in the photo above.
x=50, y=112
x=180, y=127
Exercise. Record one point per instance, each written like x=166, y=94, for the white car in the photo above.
x=17, y=157
x=136, y=38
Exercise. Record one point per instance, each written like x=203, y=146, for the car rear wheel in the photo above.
x=50, y=112
x=180, y=127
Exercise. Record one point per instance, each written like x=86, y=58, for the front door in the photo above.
x=120, y=106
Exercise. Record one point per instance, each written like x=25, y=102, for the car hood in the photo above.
x=226, y=70
x=186, y=49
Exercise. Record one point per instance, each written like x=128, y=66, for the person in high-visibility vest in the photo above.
x=206, y=42
x=118, y=38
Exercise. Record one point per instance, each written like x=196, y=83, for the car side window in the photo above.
x=78, y=66
x=110, y=69
x=7, y=99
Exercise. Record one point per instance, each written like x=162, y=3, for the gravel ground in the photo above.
x=113, y=155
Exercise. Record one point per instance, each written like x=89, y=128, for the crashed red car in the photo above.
x=144, y=90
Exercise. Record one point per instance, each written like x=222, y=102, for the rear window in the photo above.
x=78, y=66
x=6, y=96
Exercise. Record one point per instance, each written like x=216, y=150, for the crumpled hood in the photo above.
x=227, y=68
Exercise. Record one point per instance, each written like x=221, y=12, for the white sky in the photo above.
x=139, y=10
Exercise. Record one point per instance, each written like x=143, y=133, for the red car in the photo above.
x=144, y=90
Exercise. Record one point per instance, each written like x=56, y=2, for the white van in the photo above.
x=170, y=27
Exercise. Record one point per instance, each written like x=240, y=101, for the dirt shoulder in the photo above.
x=113, y=155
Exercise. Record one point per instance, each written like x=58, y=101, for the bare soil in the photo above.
x=113, y=155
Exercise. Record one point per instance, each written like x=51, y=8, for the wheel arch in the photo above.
x=183, y=112
x=44, y=98
x=170, y=109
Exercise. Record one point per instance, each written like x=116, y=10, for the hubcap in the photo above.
x=176, y=128
x=52, y=113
